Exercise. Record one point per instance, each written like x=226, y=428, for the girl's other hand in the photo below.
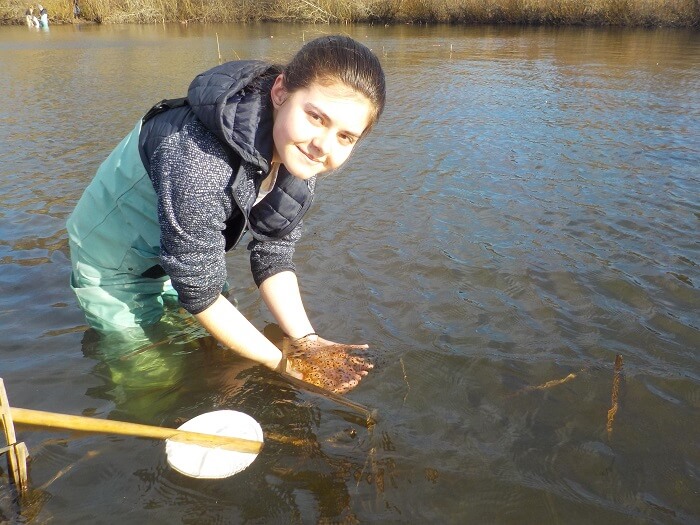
x=334, y=366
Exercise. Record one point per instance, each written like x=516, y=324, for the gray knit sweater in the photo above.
x=206, y=189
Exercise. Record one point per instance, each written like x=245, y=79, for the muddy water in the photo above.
x=526, y=211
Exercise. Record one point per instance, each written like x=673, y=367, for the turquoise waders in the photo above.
x=114, y=237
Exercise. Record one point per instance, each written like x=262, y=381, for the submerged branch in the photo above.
x=554, y=382
x=548, y=384
x=617, y=376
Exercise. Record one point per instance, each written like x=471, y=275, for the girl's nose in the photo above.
x=323, y=144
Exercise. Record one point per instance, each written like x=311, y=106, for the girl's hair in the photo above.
x=330, y=59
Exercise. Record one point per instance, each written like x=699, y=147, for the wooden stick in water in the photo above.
x=107, y=426
x=368, y=414
x=617, y=375
x=17, y=453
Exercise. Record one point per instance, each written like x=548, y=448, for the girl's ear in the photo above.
x=278, y=93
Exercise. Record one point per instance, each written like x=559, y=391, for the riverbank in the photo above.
x=632, y=13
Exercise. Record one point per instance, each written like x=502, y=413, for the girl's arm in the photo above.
x=335, y=367
x=281, y=295
x=232, y=329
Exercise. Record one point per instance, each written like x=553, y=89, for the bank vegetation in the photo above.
x=645, y=13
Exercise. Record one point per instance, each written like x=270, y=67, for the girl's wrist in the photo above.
x=275, y=363
x=282, y=366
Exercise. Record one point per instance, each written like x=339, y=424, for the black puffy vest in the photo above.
x=233, y=101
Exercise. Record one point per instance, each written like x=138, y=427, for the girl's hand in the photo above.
x=334, y=366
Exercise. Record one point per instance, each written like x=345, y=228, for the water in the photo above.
x=526, y=210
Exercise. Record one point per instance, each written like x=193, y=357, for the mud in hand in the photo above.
x=333, y=366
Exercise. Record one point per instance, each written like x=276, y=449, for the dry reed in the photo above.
x=668, y=13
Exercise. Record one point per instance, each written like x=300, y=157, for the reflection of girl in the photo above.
x=241, y=153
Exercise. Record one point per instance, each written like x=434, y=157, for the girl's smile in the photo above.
x=316, y=128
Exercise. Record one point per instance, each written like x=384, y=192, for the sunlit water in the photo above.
x=526, y=210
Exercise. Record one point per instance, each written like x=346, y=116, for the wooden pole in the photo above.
x=17, y=453
x=107, y=426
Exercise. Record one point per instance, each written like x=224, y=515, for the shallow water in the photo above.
x=526, y=210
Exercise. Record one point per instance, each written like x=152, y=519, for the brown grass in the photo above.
x=668, y=13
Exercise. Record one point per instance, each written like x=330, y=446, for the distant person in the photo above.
x=43, y=16
x=76, y=9
x=32, y=21
x=240, y=154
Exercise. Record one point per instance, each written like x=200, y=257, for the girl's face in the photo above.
x=315, y=128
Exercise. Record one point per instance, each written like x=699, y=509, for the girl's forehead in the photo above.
x=337, y=90
x=336, y=93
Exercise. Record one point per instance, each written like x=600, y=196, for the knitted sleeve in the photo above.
x=270, y=257
x=191, y=176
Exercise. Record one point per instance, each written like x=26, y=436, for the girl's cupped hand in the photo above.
x=334, y=366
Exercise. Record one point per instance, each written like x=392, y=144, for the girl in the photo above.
x=240, y=153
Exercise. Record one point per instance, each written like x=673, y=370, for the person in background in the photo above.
x=240, y=154
x=32, y=20
x=76, y=9
x=43, y=16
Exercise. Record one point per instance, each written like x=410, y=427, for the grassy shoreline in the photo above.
x=627, y=13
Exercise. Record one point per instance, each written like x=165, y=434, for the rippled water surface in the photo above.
x=526, y=210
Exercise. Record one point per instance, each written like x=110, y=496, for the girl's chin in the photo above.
x=299, y=165
x=300, y=173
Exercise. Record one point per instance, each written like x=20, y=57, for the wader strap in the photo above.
x=163, y=105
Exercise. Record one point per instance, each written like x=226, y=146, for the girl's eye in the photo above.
x=347, y=140
x=315, y=117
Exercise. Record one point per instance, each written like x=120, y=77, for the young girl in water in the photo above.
x=240, y=154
